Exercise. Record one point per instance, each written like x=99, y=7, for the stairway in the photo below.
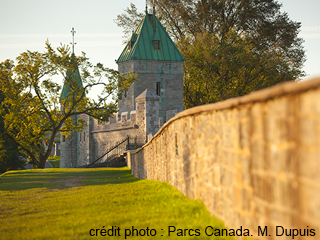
x=115, y=161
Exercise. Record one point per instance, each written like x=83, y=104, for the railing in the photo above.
x=114, y=151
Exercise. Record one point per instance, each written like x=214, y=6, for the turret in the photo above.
x=153, y=55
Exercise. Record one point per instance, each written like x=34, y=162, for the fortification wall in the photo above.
x=105, y=140
x=253, y=160
x=106, y=135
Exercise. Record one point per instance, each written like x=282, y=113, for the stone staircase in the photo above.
x=114, y=161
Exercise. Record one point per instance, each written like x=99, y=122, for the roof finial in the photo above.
x=146, y=8
x=73, y=43
x=154, y=9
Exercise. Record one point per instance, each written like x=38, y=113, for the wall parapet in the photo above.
x=252, y=160
x=257, y=96
x=115, y=129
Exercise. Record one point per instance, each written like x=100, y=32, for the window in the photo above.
x=158, y=89
x=156, y=45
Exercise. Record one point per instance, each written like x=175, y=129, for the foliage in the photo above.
x=130, y=19
x=32, y=98
x=108, y=197
x=10, y=158
x=263, y=41
x=217, y=70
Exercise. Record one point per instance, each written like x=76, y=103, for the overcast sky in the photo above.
x=27, y=24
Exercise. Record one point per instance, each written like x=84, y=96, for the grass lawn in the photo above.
x=72, y=203
x=54, y=161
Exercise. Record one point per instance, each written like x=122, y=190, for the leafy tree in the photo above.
x=32, y=98
x=217, y=70
x=10, y=157
x=263, y=40
x=129, y=20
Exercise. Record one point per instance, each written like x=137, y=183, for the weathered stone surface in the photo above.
x=169, y=74
x=98, y=137
x=253, y=161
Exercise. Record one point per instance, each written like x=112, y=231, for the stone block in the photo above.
x=124, y=116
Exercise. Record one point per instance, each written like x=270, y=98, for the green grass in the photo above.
x=54, y=157
x=54, y=161
x=51, y=204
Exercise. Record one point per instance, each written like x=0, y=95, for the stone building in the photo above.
x=147, y=104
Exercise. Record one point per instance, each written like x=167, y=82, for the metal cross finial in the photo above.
x=73, y=43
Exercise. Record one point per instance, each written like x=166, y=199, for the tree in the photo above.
x=129, y=20
x=32, y=98
x=217, y=70
x=10, y=157
x=256, y=31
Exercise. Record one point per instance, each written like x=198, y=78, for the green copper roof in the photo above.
x=74, y=84
x=142, y=43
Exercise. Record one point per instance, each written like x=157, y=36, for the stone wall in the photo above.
x=253, y=160
x=85, y=145
x=150, y=72
x=68, y=149
x=135, y=124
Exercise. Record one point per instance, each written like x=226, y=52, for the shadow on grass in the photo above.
x=55, y=177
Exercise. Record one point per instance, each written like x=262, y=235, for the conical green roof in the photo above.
x=142, y=43
x=75, y=83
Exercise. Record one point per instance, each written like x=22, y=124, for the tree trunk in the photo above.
x=39, y=163
x=42, y=163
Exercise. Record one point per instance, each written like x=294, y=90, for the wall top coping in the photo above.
x=115, y=129
x=269, y=93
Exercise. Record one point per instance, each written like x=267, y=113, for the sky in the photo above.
x=27, y=24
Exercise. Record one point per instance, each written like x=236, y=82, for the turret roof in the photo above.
x=76, y=83
x=141, y=45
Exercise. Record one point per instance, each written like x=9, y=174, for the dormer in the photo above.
x=132, y=41
x=156, y=41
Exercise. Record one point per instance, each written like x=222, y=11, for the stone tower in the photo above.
x=69, y=146
x=152, y=54
x=147, y=104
